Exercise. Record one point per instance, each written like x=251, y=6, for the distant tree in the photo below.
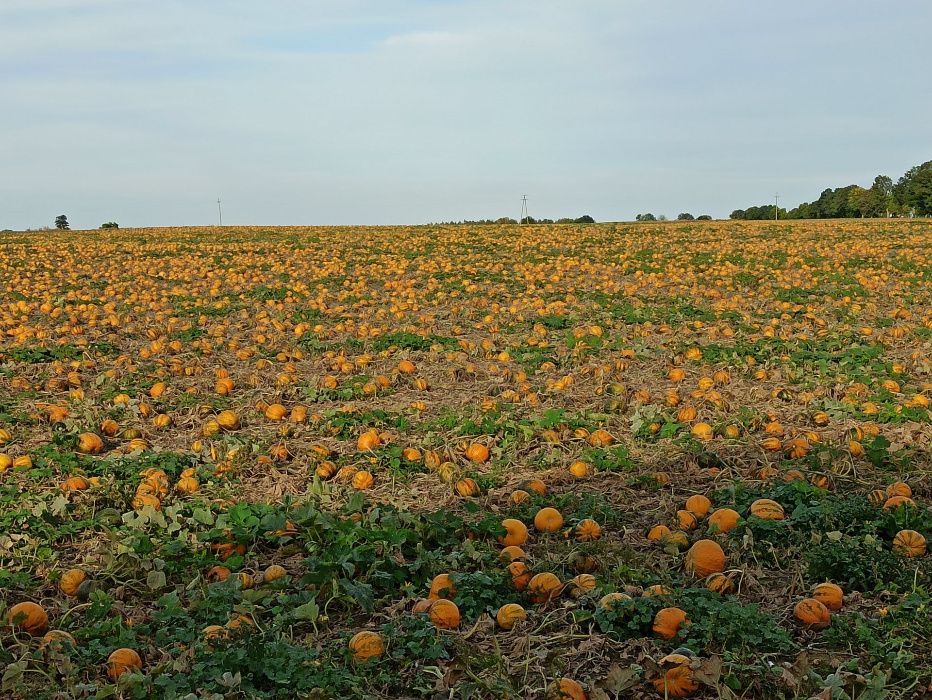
x=913, y=191
x=645, y=217
x=662, y=217
x=528, y=220
x=545, y=221
x=110, y=224
x=506, y=220
x=584, y=219
x=703, y=217
x=565, y=220
x=738, y=215
x=61, y=222
x=685, y=216
x=882, y=202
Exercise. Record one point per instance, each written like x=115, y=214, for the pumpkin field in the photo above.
x=468, y=461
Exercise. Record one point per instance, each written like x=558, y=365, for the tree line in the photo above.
x=911, y=195
x=584, y=219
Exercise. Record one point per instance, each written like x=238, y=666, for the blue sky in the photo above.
x=389, y=111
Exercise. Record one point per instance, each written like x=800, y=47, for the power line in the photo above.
x=220, y=211
x=524, y=212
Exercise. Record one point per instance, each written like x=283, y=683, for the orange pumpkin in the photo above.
x=668, y=621
x=705, y=557
x=467, y=487
x=565, y=689
x=122, y=661
x=767, y=509
x=544, y=587
x=515, y=532
x=512, y=553
x=520, y=574
x=723, y=520
x=274, y=573
x=548, y=520
x=445, y=614
x=698, y=505
x=676, y=677
x=477, y=452
x=90, y=444
x=686, y=520
x=898, y=501
x=29, y=617
x=657, y=533
x=830, y=595
x=72, y=581
x=587, y=530
x=442, y=586
x=909, y=543
x=369, y=440
x=509, y=614
x=366, y=645
x=362, y=480
x=812, y=614
x=719, y=583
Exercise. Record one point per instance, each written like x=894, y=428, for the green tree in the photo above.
x=645, y=217
x=61, y=222
x=110, y=224
x=913, y=191
x=685, y=216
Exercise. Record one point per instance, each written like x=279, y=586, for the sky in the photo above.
x=314, y=112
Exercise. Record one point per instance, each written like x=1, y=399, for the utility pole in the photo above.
x=776, y=206
x=220, y=211
x=524, y=214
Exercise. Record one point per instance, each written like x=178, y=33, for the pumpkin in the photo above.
x=518, y=497
x=587, y=530
x=723, y=520
x=477, y=452
x=565, y=689
x=897, y=501
x=215, y=632
x=702, y=431
x=72, y=581
x=326, y=470
x=548, y=520
x=274, y=573
x=612, y=601
x=276, y=412
x=218, y=573
x=445, y=614
x=877, y=497
x=121, y=661
x=600, y=438
x=676, y=539
x=698, y=505
x=656, y=590
x=544, y=587
x=767, y=509
x=406, y=367
x=515, y=532
x=363, y=480
x=535, y=485
x=676, y=677
x=75, y=483
x=909, y=543
x=467, y=487
x=369, y=440
x=512, y=553
x=90, y=444
x=719, y=583
x=57, y=640
x=581, y=470
x=686, y=520
x=366, y=645
x=812, y=614
x=520, y=574
x=657, y=533
x=246, y=581
x=441, y=586
x=228, y=420
x=900, y=488
x=705, y=557
x=581, y=584
x=188, y=484
x=29, y=617
x=830, y=595
x=668, y=621
x=422, y=605
x=509, y=614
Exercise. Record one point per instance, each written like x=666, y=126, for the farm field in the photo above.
x=584, y=461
